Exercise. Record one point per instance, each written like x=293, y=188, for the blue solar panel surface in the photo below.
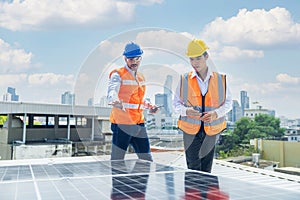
x=129, y=179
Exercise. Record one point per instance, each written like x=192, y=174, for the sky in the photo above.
x=48, y=47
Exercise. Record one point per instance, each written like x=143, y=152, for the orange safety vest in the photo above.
x=191, y=95
x=131, y=93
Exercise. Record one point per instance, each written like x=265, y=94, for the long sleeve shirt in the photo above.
x=114, y=84
x=221, y=111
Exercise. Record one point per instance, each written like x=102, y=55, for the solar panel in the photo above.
x=129, y=179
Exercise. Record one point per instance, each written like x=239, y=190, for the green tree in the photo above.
x=242, y=128
x=269, y=125
x=228, y=141
x=237, y=142
x=254, y=133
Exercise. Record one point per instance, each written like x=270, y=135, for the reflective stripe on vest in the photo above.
x=195, y=121
x=132, y=82
x=131, y=105
x=192, y=125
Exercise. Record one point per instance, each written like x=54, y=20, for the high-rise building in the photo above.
x=90, y=101
x=168, y=93
x=236, y=112
x=161, y=100
x=104, y=102
x=68, y=98
x=11, y=95
x=244, y=102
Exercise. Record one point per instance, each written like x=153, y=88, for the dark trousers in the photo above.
x=199, y=151
x=134, y=135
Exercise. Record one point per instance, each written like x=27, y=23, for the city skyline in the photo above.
x=162, y=99
x=49, y=47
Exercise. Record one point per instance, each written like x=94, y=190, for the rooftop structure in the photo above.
x=45, y=124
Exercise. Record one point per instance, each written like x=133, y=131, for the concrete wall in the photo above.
x=3, y=135
x=286, y=153
x=41, y=151
x=104, y=126
x=292, y=154
x=5, y=149
x=5, y=152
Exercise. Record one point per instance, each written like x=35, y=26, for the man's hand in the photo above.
x=117, y=104
x=192, y=112
x=209, y=117
x=153, y=109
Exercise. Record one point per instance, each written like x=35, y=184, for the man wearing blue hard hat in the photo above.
x=126, y=91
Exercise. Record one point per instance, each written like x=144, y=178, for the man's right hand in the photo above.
x=117, y=104
x=154, y=109
x=192, y=112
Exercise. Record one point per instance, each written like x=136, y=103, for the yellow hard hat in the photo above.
x=196, y=48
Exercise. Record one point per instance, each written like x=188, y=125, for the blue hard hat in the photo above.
x=132, y=50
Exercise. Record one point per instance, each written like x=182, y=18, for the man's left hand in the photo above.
x=209, y=117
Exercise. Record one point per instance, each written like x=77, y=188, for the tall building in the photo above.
x=244, y=102
x=90, y=101
x=104, y=102
x=68, y=98
x=168, y=93
x=236, y=112
x=11, y=95
x=161, y=99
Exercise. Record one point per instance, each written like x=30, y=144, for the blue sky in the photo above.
x=48, y=47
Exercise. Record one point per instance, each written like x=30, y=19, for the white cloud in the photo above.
x=170, y=41
x=36, y=14
x=263, y=88
x=13, y=59
x=284, y=84
x=248, y=34
x=256, y=27
x=12, y=79
x=46, y=88
x=50, y=79
x=236, y=53
x=45, y=80
x=153, y=41
x=285, y=78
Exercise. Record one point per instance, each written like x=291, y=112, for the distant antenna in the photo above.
x=258, y=106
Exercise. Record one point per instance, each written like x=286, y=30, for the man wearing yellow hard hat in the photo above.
x=202, y=99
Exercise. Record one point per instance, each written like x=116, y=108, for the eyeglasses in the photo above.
x=196, y=58
x=135, y=59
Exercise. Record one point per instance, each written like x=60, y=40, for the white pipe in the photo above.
x=69, y=127
x=24, y=128
x=93, y=128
